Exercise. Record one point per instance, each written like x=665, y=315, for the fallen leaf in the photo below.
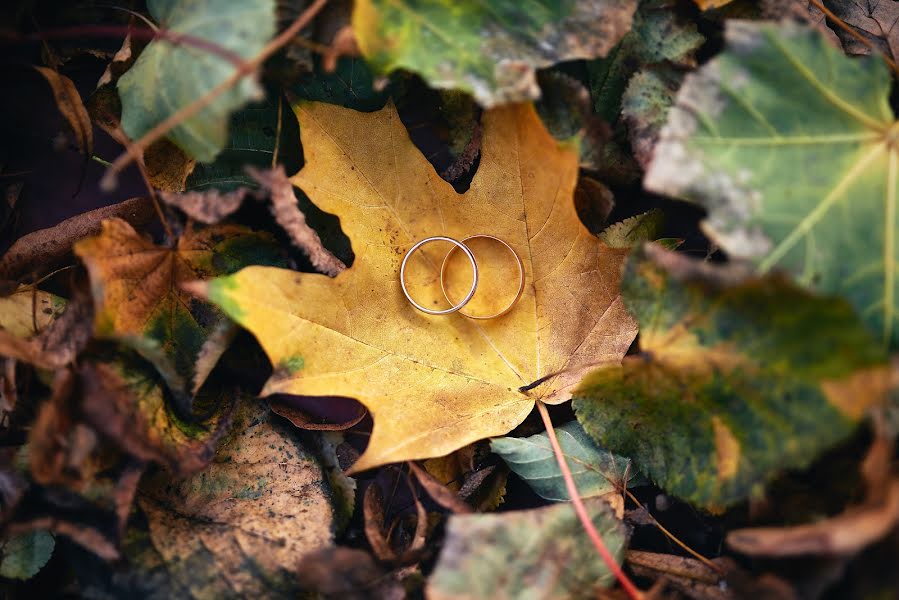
x=137, y=289
x=875, y=20
x=127, y=404
x=710, y=4
x=633, y=231
x=25, y=554
x=808, y=181
x=167, y=77
x=209, y=206
x=293, y=221
x=432, y=384
x=737, y=378
x=347, y=574
x=438, y=492
x=27, y=311
x=539, y=553
x=491, y=51
x=69, y=103
x=644, y=108
x=596, y=472
x=658, y=34
x=59, y=342
x=36, y=252
x=304, y=420
x=373, y=519
x=264, y=501
x=690, y=576
x=350, y=85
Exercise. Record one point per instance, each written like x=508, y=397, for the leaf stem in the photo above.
x=186, y=112
x=859, y=37
x=627, y=585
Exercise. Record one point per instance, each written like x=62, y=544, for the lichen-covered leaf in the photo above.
x=137, y=289
x=168, y=77
x=435, y=384
x=541, y=553
x=791, y=146
x=489, y=50
x=737, y=378
x=596, y=471
x=241, y=527
x=25, y=554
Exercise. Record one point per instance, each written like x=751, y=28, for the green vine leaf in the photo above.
x=791, y=146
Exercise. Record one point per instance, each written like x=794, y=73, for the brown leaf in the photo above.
x=875, y=20
x=688, y=575
x=38, y=251
x=293, y=221
x=126, y=407
x=304, y=420
x=58, y=344
x=439, y=492
x=209, y=206
x=347, y=574
x=68, y=100
x=373, y=515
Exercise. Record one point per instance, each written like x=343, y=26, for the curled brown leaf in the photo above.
x=68, y=100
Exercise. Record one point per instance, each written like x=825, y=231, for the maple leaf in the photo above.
x=435, y=384
x=136, y=289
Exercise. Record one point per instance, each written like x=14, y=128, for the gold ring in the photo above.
x=474, y=280
x=520, y=277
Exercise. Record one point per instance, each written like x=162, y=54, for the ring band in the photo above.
x=514, y=301
x=474, y=281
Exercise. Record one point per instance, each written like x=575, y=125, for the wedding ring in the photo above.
x=514, y=301
x=474, y=279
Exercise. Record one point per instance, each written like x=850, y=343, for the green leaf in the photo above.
x=791, y=146
x=490, y=50
x=350, y=85
x=596, y=471
x=737, y=378
x=252, y=138
x=542, y=553
x=25, y=554
x=167, y=77
x=240, y=528
x=644, y=108
x=658, y=34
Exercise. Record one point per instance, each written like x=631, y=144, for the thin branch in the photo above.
x=202, y=102
x=851, y=31
x=120, y=31
x=626, y=584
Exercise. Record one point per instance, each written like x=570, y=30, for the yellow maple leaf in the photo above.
x=436, y=383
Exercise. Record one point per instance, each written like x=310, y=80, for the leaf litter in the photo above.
x=212, y=385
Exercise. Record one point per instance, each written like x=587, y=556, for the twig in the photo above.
x=848, y=29
x=627, y=585
x=205, y=100
x=118, y=31
x=277, y=133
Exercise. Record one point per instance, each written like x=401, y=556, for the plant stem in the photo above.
x=247, y=68
x=627, y=585
x=848, y=29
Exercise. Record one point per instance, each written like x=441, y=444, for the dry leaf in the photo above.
x=68, y=100
x=41, y=249
x=293, y=221
x=209, y=206
x=435, y=384
x=438, y=492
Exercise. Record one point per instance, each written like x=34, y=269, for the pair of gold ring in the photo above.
x=460, y=245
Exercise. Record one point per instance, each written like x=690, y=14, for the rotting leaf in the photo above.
x=436, y=384
x=875, y=20
x=636, y=230
x=791, y=146
x=737, y=378
x=539, y=553
x=264, y=501
x=137, y=290
x=492, y=51
x=596, y=472
x=167, y=77
x=209, y=206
